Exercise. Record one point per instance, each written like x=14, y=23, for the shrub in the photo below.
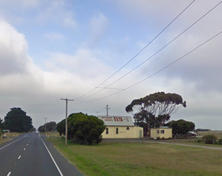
x=99, y=139
x=209, y=139
x=199, y=140
x=163, y=138
x=158, y=138
x=220, y=141
x=216, y=142
x=85, y=129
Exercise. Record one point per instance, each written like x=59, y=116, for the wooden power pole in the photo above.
x=107, y=109
x=45, y=124
x=66, y=99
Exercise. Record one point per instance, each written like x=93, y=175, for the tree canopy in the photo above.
x=181, y=126
x=83, y=128
x=155, y=109
x=50, y=126
x=61, y=127
x=1, y=124
x=16, y=120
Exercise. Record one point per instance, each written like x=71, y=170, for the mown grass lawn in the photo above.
x=117, y=159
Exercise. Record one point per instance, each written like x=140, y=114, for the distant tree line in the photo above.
x=16, y=120
x=50, y=126
x=200, y=129
x=82, y=128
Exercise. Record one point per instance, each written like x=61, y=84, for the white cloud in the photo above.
x=13, y=48
x=54, y=36
x=20, y=3
x=29, y=3
x=83, y=63
x=98, y=27
x=68, y=21
x=55, y=11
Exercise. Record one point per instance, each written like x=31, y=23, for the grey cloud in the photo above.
x=11, y=62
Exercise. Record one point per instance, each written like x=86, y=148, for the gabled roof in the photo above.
x=117, y=120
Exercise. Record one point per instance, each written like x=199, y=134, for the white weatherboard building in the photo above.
x=120, y=127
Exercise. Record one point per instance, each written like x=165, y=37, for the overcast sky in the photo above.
x=110, y=52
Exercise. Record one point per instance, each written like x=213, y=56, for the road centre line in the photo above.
x=52, y=158
x=9, y=174
x=8, y=144
x=24, y=149
x=19, y=157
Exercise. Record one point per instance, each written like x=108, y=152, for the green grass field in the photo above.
x=118, y=159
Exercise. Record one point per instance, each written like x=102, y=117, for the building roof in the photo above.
x=117, y=120
x=162, y=127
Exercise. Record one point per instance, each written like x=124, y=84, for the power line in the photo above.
x=109, y=88
x=139, y=51
x=161, y=68
x=157, y=51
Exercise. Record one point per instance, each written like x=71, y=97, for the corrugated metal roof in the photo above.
x=117, y=120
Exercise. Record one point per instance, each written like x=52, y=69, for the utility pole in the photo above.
x=45, y=124
x=66, y=99
x=107, y=109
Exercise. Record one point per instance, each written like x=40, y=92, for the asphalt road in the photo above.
x=31, y=155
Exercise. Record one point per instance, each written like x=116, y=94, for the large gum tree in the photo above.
x=154, y=109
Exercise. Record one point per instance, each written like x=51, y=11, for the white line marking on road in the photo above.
x=52, y=159
x=9, y=144
x=27, y=144
x=9, y=174
x=24, y=148
x=19, y=157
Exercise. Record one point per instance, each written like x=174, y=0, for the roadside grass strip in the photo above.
x=120, y=159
